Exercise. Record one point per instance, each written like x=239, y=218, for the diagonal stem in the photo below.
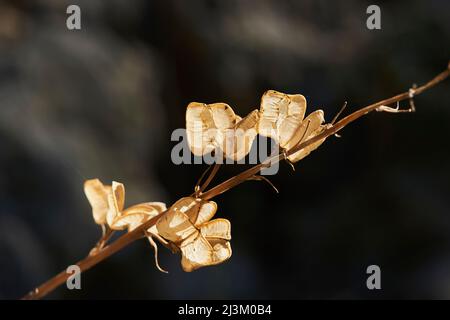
x=139, y=232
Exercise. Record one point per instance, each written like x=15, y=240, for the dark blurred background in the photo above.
x=103, y=101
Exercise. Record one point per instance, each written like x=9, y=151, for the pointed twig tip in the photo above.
x=262, y=178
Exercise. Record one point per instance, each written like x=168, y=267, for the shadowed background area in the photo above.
x=103, y=102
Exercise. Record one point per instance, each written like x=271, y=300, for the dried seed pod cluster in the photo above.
x=212, y=127
x=202, y=241
x=186, y=227
x=108, y=203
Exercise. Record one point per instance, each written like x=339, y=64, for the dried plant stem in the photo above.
x=215, y=168
x=103, y=253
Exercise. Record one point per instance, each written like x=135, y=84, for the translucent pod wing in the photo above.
x=239, y=140
x=311, y=126
x=306, y=151
x=281, y=115
x=175, y=226
x=130, y=221
x=222, y=115
x=197, y=210
x=216, y=229
x=196, y=252
x=116, y=202
x=134, y=216
x=185, y=204
x=195, y=126
x=218, y=233
x=207, y=211
x=202, y=213
x=272, y=104
x=159, y=206
x=97, y=195
x=150, y=209
x=118, y=190
x=221, y=250
x=205, y=126
x=189, y=206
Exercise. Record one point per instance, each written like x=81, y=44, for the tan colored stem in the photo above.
x=139, y=232
x=210, y=177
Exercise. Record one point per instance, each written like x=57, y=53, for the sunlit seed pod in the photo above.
x=216, y=229
x=130, y=221
x=311, y=126
x=136, y=215
x=218, y=234
x=116, y=202
x=108, y=208
x=208, y=247
x=281, y=115
x=97, y=194
x=238, y=141
x=221, y=250
x=206, y=124
x=196, y=211
x=196, y=252
x=188, y=225
x=216, y=127
x=202, y=212
x=175, y=225
x=223, y=115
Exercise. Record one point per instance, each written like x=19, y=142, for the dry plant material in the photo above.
x=202, y=241
x=282, y=119
x=187, y=226
x=212, y=127
x=108, y=203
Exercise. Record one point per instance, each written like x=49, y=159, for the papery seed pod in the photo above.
x=206, y=125
x=239, y=140
x=310, y=127
x=136, y=215
x=215, y=127
x=281, y=115
x=97, y=194
x=202, y=241
x=281, y=118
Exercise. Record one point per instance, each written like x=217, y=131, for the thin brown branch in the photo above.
x=139, y=232
x=85, y=264
x=211, y=176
